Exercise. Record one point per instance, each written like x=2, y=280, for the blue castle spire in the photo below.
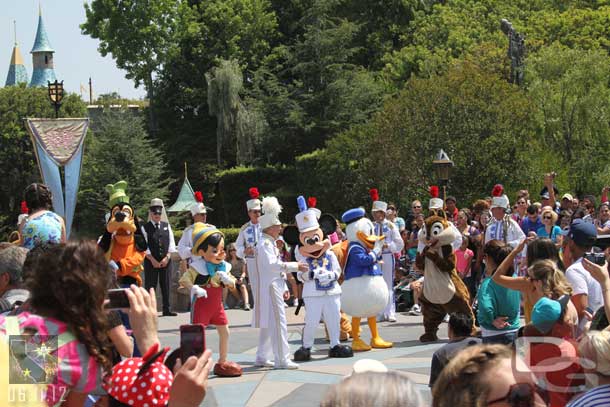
x=42, y=57
x=16, y=71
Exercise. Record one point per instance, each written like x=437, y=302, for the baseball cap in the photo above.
x=451, y=198
x=582, y=233
x=567, y=196
x=545, y=313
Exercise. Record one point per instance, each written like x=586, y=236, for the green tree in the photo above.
x=118, y=149
x=138, y=34
x=483, y=123
x=570, y=90
x=19, y=167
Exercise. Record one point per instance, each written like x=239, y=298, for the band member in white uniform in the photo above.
x=199, y=212
x=393, y=244
x=249, y=236
x=270, y=291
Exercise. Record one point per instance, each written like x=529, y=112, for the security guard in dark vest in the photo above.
x=161, y=244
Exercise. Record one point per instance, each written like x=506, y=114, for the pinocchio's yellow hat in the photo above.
x=202, y=231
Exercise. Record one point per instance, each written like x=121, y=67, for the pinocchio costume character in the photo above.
x=205, y=278
x=444, y=291
x=123, y=241
x=321, y=290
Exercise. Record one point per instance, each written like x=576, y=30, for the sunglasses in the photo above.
x=547, y=217
x=523, y=395
x=416, y=206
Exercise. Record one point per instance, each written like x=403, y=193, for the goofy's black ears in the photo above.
x=328, y=224
x=291, y=235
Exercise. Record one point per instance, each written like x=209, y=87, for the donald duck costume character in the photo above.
x=393, y=244
x=364, y=291
x=204, y=279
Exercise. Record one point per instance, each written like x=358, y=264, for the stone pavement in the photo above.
x=307, y=385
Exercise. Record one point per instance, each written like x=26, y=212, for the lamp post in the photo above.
x=442, y=165
x=56, y=95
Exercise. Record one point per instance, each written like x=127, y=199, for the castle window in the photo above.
x=46, y=60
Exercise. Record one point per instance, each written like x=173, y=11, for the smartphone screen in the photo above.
x=117, y=299
x=192, y=341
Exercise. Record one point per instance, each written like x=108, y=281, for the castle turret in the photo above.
x=16, y=71
x=42, y=57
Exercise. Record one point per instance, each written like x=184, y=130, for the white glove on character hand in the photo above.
x=112, y=264
x=226, y=279
x=378, y=248
x=198, y=292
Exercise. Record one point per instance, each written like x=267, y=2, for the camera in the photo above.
x=596, y=258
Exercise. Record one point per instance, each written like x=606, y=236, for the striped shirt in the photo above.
x=596, y=397
x=76, y=370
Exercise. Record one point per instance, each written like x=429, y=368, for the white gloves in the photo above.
x=113, y=265
x=198, y=292
x=378, y=248
x=226, y=278
x=325, y=277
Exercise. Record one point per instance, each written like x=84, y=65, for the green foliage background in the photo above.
x=336, y=97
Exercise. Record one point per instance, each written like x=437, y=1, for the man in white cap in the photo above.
x=392, y=245
x=161, y=245
x=270, y=291
x=199, y=212
x=249, y=236
x=502, y=226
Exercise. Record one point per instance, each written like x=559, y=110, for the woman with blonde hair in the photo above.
x=537, y=249
x=487, y=375
x=550, y=229
x=595, y=349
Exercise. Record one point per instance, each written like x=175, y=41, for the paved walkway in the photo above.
x=307, y=385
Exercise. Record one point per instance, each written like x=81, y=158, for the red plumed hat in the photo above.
x=498, y=190
x=24, y=208
x=198, y=196
x=433, y=191
x=312, y=202
x=254, y=194
x=374, y=193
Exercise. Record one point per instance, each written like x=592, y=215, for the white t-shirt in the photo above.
x=583, y=283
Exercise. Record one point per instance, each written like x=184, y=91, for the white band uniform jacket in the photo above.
x=271, y=270
x=392, y=236
x=309, y=285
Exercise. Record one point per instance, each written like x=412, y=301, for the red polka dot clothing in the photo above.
x=141, y=382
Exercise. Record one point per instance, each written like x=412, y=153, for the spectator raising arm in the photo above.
x=600, y=273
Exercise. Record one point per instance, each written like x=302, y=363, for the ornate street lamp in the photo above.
x=442, y=166
x=56, y=95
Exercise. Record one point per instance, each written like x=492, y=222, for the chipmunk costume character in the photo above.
x=444, y=291
x=364, y=291
x=204, y=279
x=321, y=290
x=123, y=242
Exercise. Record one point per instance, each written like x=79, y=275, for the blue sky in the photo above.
x=76, y=55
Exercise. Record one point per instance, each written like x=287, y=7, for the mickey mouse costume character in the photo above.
x=204, y=279
x=321, y=291
x=364, y=291
x=123, y=241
